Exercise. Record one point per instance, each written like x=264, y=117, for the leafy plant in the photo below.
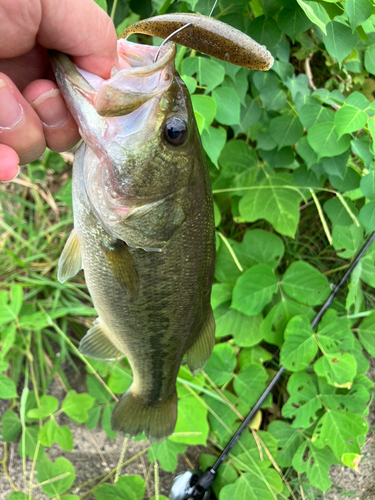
x=291, y=158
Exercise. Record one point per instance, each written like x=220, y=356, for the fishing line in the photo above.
x=171, y=36
x=188, y=485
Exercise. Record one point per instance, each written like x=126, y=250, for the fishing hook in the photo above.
x=171, y=36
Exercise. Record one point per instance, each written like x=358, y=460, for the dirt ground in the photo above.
x=95, y=454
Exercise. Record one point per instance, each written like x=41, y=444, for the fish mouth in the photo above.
x=138, y=78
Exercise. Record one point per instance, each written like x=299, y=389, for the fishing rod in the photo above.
x=191, y=484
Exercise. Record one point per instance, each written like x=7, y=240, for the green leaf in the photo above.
x=367, y=266
x=227, y=106
x=334, y=334
x=273, y=326
x=191, y=421
x=340, y=431
x=353, y=400
x=273, y=99
x=367, y=216
x=314, y=114
x=370, y=59
x=251, y=454
x=292, y=22
x=300, y=347
x=358, y=11
x=106, y=420
x=18, y=495
x=251, y=487
x=306, y=152
x=336, y=165
x=11, y=426
x=316, y=463
x=96, y=390
x=367, y=185
x=166, y=453
x=103, y=5
x=76, y=405
x=119, y=380
x=324, y=140
x=305, y=284
x=286, y=130
x=339, y=369
x=209, y=72
x=48, y=471
x=349, y=119
x=338, y=213
x=28, y=443
x=226, y=269
x=220, y=366
x=264, y=31
x=128, y=487
x=221, y=292
x=213, y=140
x=339, y=40
x=250, y=382
x=7, y=387
x=254, y=289
x=249, y=115
x=316, y=13
x=366, y=334
x=48, y=405
x=303, y=403
x=8, y=338
x=51, y=433
x=288, y=441
x=346, y=240
x=274, y=201
x=259, y=247
x=205, y=106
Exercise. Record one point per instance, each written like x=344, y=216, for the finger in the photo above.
x=9, y=161
x=60, y=129
x=79, y=28
x=20, y=127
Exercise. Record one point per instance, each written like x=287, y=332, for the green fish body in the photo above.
x=144, y=235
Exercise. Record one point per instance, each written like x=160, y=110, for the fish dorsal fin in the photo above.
x=96, y=344
x=70, y=261
x=200, y=351
x=122, y=266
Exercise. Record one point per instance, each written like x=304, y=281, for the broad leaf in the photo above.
x=316, y=463
x=300, y=347
x=339, y=40
x=303, y=402
x=220, y=366
x=50, y=471
x=305, y=284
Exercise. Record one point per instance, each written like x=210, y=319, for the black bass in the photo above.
x=143, y=227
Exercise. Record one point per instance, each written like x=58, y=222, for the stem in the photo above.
x=4, y=463
x=113, y=11
x=122, y=454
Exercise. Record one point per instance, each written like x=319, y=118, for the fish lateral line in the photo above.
x=207, y=35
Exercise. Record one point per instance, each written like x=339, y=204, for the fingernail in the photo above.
x=51, y=108
x=10, y=109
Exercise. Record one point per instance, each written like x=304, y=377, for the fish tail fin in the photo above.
x=133, y=415
x=198, y=354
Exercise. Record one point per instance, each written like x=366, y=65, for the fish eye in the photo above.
x=175, y=131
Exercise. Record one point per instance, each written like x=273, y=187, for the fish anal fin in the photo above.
x=70, y=261
x=133, y=415
x=96, y=344
x=199, y=353
x=122, y=266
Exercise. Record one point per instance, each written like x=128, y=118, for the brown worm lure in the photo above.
x=209, y=36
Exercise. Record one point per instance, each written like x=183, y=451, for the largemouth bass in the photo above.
x=143, y=227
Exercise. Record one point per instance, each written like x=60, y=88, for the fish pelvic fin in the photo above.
x=199, y=353
x=70, y=261
x=133, y=414
x=96, y=344
x=122, y=266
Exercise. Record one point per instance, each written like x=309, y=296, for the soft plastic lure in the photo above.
x=209, y=36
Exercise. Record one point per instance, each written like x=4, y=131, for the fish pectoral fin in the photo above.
x=133, y=414
x=70, y=261
x=198, y=354
x=122, y=266
x=96, y=344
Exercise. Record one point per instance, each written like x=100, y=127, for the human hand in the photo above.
x=33, y=114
